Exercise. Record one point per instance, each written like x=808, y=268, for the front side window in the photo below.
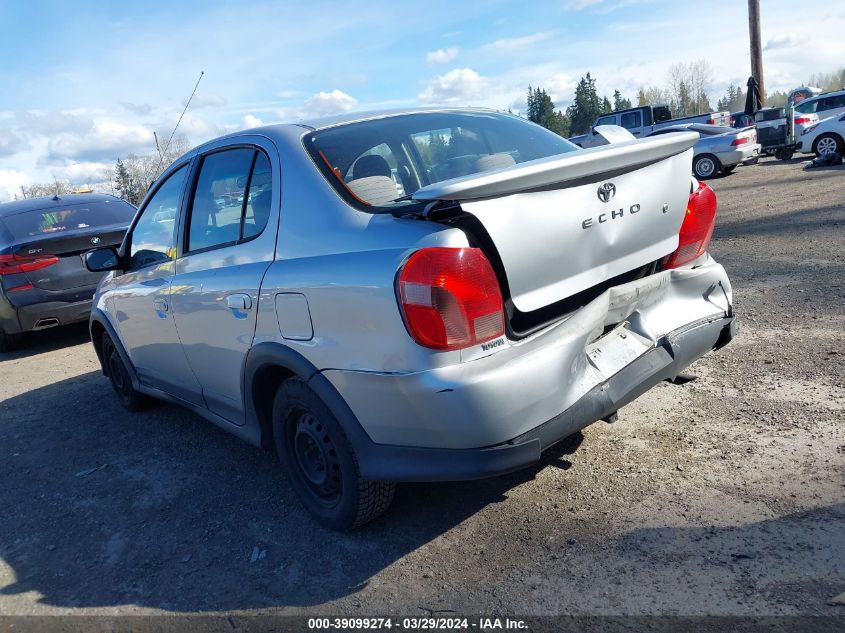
x=632, y=120
x=606, y=120
x=153, y=239
x=375, y=162
x=232, y=199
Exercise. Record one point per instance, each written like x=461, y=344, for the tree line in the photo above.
x=686, y=91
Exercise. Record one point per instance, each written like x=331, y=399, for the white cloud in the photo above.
x=325, y=103
x=510, y=43
x=442, y=55
x=83, y=173
x=202, y=100
x=578, y=5
x=317, y=105
x=106, y=140
x=250, y=121
x=11, y=142
x=782, y=41
x=602, y=6
x=461, y=85
x=53, y=122
x=560, y=87
x=10, y=183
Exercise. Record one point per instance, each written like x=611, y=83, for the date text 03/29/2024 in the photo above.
x=417, y=624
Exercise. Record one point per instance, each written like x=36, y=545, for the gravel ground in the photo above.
x=722, y=496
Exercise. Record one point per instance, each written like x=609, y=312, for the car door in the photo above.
x=228, y=241
x=140, y=301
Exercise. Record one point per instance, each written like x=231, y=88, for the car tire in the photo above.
x=706, y=166
x=120, y=378
x=321, y=464
x=828, y=143
x=9, y=342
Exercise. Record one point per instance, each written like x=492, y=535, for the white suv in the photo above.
x=825, y=105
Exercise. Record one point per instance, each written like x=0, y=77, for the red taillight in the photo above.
x=711, y=121
x=451, y=298
x=20, y=288
x=739, y=141
x=802, y=120
x=697, y=227
x=12, y=264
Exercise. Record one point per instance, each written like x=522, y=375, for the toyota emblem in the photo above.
x=607, y=191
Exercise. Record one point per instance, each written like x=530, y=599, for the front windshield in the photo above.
x=382, y=162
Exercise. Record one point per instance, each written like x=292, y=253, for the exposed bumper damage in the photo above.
x=497, y=413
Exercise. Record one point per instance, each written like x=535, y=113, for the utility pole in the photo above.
x=756, y=48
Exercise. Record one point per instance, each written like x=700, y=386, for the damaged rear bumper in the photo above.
x=496, y=413
x=666, y=360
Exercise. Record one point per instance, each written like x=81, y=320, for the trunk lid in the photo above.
x=566, y=223
x=69, y=272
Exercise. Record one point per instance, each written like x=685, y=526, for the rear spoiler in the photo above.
x=562, y=170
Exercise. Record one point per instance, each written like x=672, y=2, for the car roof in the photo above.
x=823, y=95
x=47, y=202
x=321, y=123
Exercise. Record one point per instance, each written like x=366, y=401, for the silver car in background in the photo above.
x=422, y=295
x=719, y=149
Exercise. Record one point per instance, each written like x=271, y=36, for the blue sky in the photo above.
x=86, y=82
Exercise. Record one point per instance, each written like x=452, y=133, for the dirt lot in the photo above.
x=722, y=496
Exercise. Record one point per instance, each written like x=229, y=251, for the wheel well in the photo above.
x=265, y=384
x=97, y=331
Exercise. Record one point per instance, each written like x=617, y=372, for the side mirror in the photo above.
x=102, y=259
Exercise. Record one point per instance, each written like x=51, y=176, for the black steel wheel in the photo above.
x=119, y=377
x=320, y=463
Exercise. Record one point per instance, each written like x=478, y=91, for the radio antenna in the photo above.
x=187, y=103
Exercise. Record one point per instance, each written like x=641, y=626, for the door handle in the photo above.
x=160, y=305
x=239, y=302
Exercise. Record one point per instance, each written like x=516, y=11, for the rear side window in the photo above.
x=632, y=120
x=232, y=199
x=58, y=218
x=836, y=101
x=808, y=107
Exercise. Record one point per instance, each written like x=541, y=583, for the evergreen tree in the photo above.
x=620, y=103
x=541, y=110
x=605, y=106
x=683, y=105
x=586, y=108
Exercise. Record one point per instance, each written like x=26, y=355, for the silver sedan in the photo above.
x=719, y=149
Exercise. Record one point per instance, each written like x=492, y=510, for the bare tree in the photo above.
x=43, y=189
x=134, y=174
x=688, y=85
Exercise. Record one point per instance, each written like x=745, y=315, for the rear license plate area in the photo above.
x=617, y=349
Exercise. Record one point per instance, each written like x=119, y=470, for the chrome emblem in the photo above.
x=95, y=240
x=607, y=191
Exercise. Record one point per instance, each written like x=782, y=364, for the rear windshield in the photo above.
x=383, y=162
x=56, y=219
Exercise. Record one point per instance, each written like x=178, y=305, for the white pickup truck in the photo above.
x=644, y=120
